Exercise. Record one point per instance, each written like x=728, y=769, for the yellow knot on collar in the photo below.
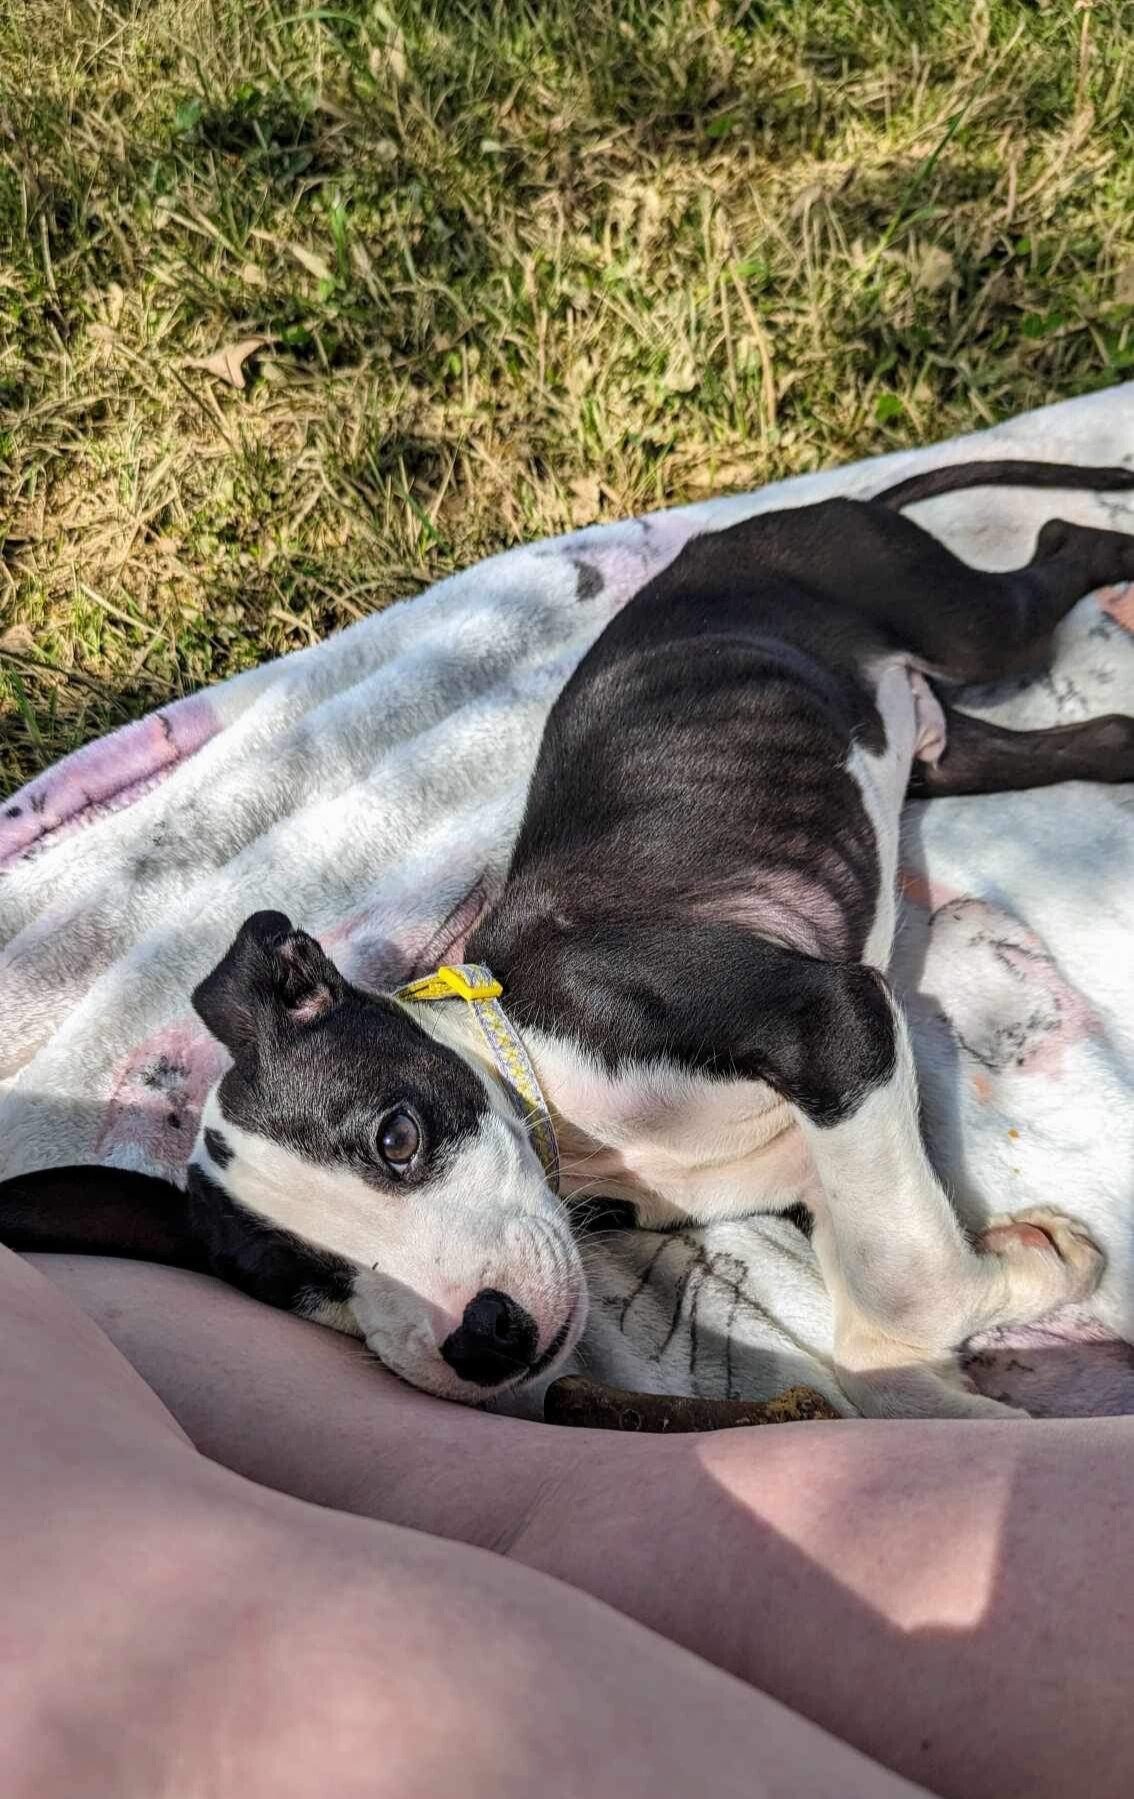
x=477, y=986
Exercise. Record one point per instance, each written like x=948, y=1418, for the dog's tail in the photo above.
x=99, y=1211
x=959, y=475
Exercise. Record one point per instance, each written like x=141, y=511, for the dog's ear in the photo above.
x=271, y=975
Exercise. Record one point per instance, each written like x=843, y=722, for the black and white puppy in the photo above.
x=377, y=1179
x=692, y=940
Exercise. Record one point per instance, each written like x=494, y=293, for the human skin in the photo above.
x=171, y=1628
x=954, y=1598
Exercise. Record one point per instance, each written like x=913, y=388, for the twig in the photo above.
x=591, y=1405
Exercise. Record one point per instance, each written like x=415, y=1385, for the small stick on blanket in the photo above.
x=591, y=1405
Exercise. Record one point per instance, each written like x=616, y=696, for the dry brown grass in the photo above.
x=520, y=265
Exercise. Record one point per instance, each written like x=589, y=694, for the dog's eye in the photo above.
x=399, y=1139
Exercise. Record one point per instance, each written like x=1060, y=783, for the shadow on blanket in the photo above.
x=1067, y=1366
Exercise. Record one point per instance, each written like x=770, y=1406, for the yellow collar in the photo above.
x=477, y=987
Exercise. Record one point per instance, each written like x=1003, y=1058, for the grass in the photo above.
x=515, y=264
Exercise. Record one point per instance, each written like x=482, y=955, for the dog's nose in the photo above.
x=495, y=1340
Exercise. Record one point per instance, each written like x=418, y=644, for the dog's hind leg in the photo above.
x=999, y=625
x=964, y=623
x=979, y=757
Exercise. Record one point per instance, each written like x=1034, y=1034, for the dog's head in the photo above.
x=352, y=1167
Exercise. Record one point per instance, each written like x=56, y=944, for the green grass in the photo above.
x=522, y=263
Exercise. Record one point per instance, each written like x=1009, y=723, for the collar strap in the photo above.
x=477, y=987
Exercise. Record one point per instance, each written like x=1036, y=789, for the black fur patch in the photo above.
x=714, y=999
x=802, y=1217
x=700, y=749
x=590, y=1216
x=270, y=1264
x=98, y=1211
x=324, y=1091
x=219, y=1148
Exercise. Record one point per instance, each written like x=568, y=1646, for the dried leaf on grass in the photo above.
x=586, y=497
x=228, y=362
x=18, y=640
x=389, y=58
x=933, y=268
x=681, y=374
x=313, y=263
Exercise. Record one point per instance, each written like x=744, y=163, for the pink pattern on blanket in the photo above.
x=158, y=1092
x=1027, y=1015
x=612, y=564
x=1023, y=1014
x=1118, y=604
x=386, y=959
x=923, y=892
x=105, y=775
x=1067, y=1366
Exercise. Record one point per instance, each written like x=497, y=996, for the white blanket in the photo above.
x=370, y=788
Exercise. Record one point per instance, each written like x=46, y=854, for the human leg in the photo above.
x=952, y=1597
x=168, y=1627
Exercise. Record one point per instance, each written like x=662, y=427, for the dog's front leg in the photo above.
x=907, y=1286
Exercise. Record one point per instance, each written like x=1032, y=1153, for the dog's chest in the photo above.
x=674, y=1144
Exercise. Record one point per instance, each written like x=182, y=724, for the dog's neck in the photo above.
x=672, y=1145
x=453, y=1025
x=556, y=1068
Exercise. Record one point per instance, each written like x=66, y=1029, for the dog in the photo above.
x=691, y=942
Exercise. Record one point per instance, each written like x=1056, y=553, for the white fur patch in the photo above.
x=674, y=1143
x=882, y=781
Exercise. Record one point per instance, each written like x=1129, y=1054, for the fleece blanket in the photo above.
x=370, y=787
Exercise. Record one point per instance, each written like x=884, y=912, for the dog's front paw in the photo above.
x=920, y=1390
x=1048, y=1260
